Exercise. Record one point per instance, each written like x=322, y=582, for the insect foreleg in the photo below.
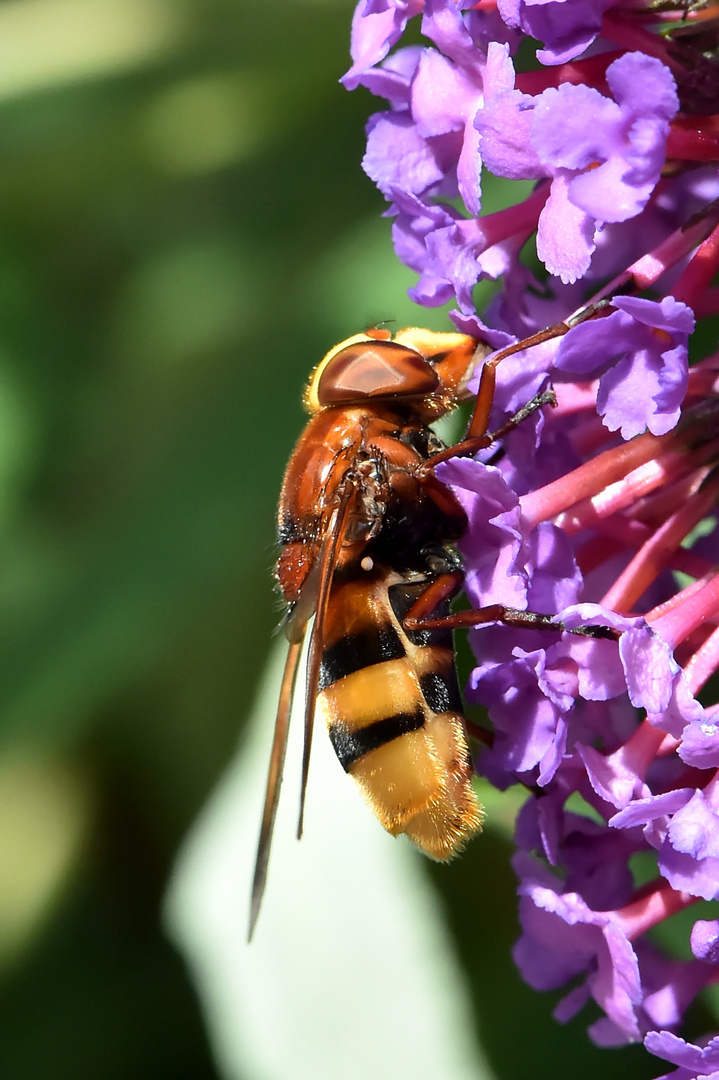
x=475, y=443
x=485, y=394
x=545, y=397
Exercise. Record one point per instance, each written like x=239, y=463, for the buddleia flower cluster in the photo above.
x=603, y=509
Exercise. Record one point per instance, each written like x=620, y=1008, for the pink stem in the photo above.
x=589, y=479
x=620, y=533
x=703, y=663
x=652, y=908
x=708, y=303
x=646, y=270
x=588, y=72
x=634, y=37
x=574, y=397
x=640, y=749
x=688, y=610
x=515, y=220
x=623, y=493
x=691, y=145
x=652, y=557
x=699, y=273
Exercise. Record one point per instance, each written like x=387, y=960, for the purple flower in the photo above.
x=595, y=859
x=616, y=778
x=639, y=355
x=700, y=744
x=415, y=164
x=376, y=27
x=610, y=152
x=506, y=560
x=689, y=856
x=563, y=938
x=604, y=157
x=599, y=146
x=693, y=1061
x=602, y=511
x=561, y=710
x=655, y=681
x=684, y=827
x=566, y=28
x=443, y=247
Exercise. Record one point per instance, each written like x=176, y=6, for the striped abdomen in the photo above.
x=393, y=710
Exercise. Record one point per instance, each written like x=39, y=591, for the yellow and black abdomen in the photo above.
x=393, y=710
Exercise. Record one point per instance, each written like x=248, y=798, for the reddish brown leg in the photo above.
x=479, y=733
x=477, y=436
x=446, y=586
x=523, y=620
x=442, y=588
x=442, y=497
x=481, y=442
x=485, y=394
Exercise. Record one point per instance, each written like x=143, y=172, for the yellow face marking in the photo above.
x=429, y=343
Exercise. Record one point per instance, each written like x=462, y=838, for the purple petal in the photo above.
x=571, y=125
x=442, y=95
x=699, y=1060
x=695, y=829
x=613, y=781
x=376, y=26
x=645, y=809
x=668, y=314
x=705, y=941
x=469, y=172
x=494, y=543
x=504, y=122
x=643, y=84
x=444, y=24
x=700, y=745
x=398, y=157
x=565, y=236
x=699, y=877
x=603, y=193
x=650, y=668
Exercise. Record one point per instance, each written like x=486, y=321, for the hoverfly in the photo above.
x=366, y=531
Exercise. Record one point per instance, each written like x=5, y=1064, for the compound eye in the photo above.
x=374, y=369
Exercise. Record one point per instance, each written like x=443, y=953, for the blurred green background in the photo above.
x=184, y=230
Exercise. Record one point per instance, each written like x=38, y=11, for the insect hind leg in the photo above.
x=416, y=619
x=445, y=586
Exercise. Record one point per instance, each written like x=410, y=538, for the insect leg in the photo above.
x=447, y=585
x=485, y=394
x=441, y=588
x=274, y=780
x=524, y=620
x=472, y=445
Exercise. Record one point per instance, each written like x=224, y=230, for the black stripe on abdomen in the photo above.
x=350, y=746
x=441, y=691
x=357, y=651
